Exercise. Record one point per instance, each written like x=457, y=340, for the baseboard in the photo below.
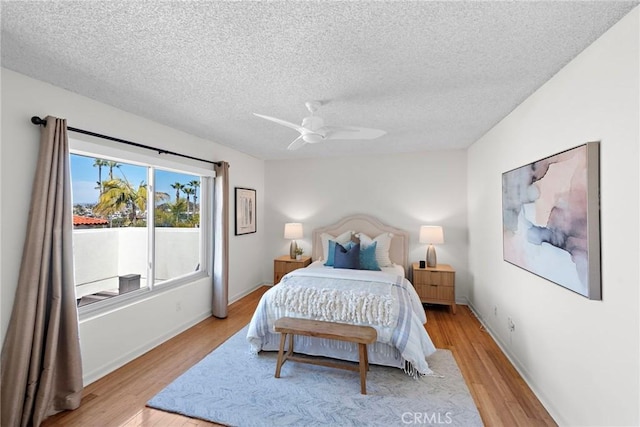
x=557, y=417
x=462, y=301
x=245, y=293
x=96, y=374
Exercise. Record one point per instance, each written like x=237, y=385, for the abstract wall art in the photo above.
x=551, y=219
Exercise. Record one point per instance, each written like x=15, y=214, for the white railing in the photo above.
x=101, y=256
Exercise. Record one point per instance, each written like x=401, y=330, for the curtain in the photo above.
x=41, y=365
x=221, y=242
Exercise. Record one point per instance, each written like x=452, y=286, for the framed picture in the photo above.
x=551, y=219
x=246, y=210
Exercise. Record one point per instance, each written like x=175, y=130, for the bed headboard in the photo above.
x=372, y=227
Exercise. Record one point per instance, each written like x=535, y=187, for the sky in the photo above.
x=84, y=179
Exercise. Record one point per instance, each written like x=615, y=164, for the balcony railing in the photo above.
x=103, y=257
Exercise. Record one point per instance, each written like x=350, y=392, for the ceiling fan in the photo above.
x=313, y=129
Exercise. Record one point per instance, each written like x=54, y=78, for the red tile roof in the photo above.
x=85, y=220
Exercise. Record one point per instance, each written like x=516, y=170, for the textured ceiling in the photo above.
x=434, y=75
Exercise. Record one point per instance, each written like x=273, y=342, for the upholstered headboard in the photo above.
x=372, y=227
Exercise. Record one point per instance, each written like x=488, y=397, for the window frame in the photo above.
x=134, y=156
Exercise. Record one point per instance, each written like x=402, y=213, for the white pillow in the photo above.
x=382, y=248
x=325, y=237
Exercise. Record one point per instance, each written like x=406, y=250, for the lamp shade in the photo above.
x=293, y=230
x=431, y=234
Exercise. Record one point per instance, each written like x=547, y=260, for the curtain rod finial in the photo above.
x=38, y=121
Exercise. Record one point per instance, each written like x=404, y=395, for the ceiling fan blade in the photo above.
x=313, y=130
x=297, y=143
x=352, y=132
x=283, y=123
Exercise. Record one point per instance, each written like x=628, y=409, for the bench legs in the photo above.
x=364, y=367
x=281, y=355
x=363, y=360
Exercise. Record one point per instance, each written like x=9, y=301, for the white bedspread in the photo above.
x=385, y=301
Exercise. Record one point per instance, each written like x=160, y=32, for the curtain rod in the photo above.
x=38, y=121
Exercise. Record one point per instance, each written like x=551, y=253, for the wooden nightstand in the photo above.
x=284, y=264
x=436, y=285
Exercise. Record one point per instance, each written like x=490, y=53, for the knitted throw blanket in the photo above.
x=335, y=305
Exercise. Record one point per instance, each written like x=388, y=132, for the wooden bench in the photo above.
x=362, y=335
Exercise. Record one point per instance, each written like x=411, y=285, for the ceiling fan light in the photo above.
x=312, y=138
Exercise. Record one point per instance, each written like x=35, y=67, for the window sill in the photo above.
x=113, y=304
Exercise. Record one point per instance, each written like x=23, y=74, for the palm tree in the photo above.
x=195, y=184
x=162, y=217
x=112, y=165
x=120, y=196
x=160, y=196
x=188, y=191
x=99, y=163
x=178, y=187
x=141, y=197
x=176, y=210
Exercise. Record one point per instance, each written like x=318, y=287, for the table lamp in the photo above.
x=431, y=234
x=293, y=231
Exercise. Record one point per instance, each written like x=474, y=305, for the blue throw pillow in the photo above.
x=368, y=257
x=347, y=258
x=332, y=251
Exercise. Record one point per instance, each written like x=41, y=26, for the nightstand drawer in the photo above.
x=283, y=267
x=435, y=292
x=441, y=278
x=435, y=285
x=427, y=291
x=438, y=278
x=446, y=293
x=284, y=264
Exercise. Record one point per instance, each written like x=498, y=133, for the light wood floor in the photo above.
x=118, y=399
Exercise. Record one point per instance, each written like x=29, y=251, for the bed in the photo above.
x=383, y=299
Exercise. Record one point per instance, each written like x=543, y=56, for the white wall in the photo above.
x=131, y=255
x=105, y=253
x=111, y=339
x=95, y=255
x=403, y=190
x=581, y=357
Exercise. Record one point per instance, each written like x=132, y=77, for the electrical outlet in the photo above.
x=495, y=310
x=511, y=325
x=178, y=306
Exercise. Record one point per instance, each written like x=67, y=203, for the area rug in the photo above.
x=231, y=386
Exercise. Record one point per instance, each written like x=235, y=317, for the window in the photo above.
x=177, y=225
x=140, y=223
